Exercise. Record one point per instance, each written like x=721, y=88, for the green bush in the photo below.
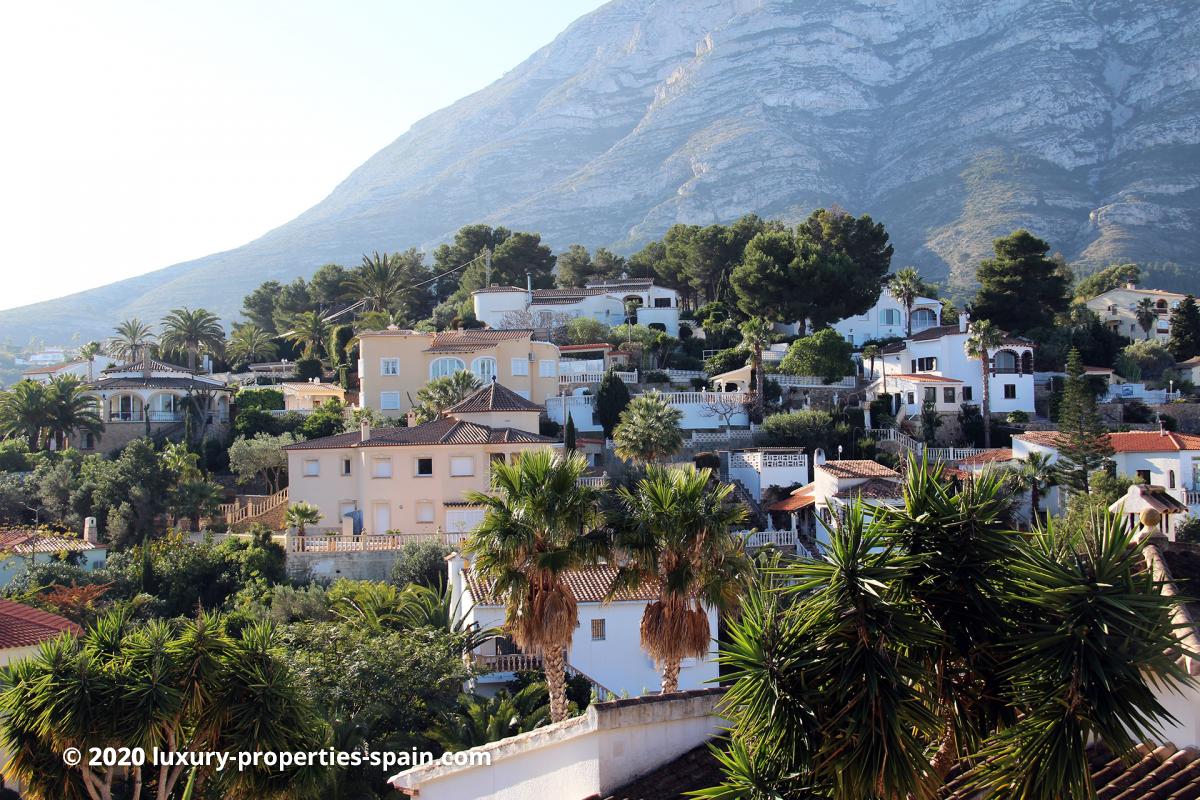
x=725, y=360
x=423, y=563
x=824, y=354
x=265, y=399
x=14, y=456
x=1017, y=417
x=707, y=460
x=656, y=376
x=808, y=429
x=1188, y=530
x=309, y=368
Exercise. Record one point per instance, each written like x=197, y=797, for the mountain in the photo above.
x=951, y=121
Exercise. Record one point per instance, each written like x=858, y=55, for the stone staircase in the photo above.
x=269, y=510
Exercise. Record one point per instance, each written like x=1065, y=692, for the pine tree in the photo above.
x=1185, y=330
x=1021, y=288
x=1084, y=448
x=611, y=398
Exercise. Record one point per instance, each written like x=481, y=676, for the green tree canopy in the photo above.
x=1084, y=447
x=649, y=429
x=612, y=397
x=825, y=354
x=1021, y=288
x=1185, y=329
x=1111, y=277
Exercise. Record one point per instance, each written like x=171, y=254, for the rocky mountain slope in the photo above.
x=952, y=121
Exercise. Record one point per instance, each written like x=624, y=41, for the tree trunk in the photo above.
x=670, y=675
x=758, y=383
x=908, y=308
x=1034, y=501
x=556, y=682
x=946, y=756
x=987, y=403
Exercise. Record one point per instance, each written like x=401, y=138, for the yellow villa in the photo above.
x=394, y=364
x=413, y=480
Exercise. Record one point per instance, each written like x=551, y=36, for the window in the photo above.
x=484, y=368
x=925, y=364
x=461, y=466
x=345, y=466
x=547, y=368
x=1170, y=479
x=948, y=394
x=389, y=366
x=520, y=366
x=424, y=467
x=389, y=401
x=912, y=398
x=312, y=467
x=966, y=395
x=381, y=468
x=89, y=441
x=662, y=302
x=441, y=367
x=1144, y=475
x=1010, y=391
x=598, y=632
x=890, y=316
x=930, y=395
x=424, y=511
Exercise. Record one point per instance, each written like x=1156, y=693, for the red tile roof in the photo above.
x=1152, y=442
x=855, y=468
x=24, y=542
x=1043, y=438
x=589, y=585
x=989, y=457
x=801, y=498
x=22, y=626
x=922, y=378
x=493, y=397
x=567, y=348
x=446, y=430
x=468, y=341
x=874, y=489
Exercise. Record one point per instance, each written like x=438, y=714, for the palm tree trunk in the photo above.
x=908, y=308
x=554, y=666
x=946, y=756
x=670, y=675
x=987, y=403
x=1034, y=501
x=758, y=383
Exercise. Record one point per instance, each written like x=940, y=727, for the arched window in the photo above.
x=923, y=318
x=442, y=367
x=1027, y=363
x=484, y=368
x=1170, y=479
x=890, y=316
x=1004, y=362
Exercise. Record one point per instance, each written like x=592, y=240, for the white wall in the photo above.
x=698, y=413
x=14, y=565
x=587, y=756
x=873, y=325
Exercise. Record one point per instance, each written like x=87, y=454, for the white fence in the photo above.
x=911, y=445
x=783, y=539
x=346, y=543
x=811, y=381
x=682, y=374
x=594, y=377
x=701, y=410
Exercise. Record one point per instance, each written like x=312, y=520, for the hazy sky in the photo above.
x=135, y=135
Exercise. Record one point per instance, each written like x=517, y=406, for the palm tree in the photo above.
x=982, y=339
x=441, y=393
x=649, y=429
x=677, y=535
x=24, y=411
x=130, y=340
x=1036, y=474
x=539, y=524
x=192, y=332
x=378, y=282
x=871, y=352
x=309, y=330
x=69, y=409
x=250, y=344
x=929, y=635
x=479, y=720
x=300, y=515
x=756, y=335
x=88, y=353
x=1147, y=317
x=906, y=286
x=194, y=499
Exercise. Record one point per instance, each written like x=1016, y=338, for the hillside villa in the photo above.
x=1117, y=309
x=933, y=367
x=21, y=549
x=394, y=364
x=615, y=302
x=413, y=479
x=309, y=395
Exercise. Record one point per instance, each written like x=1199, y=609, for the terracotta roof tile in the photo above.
x=855, y=468
x=446, y=430
x=989, y=457
x=153, y=364
x=468, y=341
x=568, y=348
x=801, y=498
x=493, y=397
x=546, y=296
x=497, y=289
x=1152, y=442
x=589, y=585
x=923, y=378
x=1043, y=438
x=874, y=489
x=28, y=542
x=22, y=626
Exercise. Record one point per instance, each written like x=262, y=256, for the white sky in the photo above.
x=135, y=135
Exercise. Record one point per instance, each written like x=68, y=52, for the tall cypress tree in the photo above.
x=1185, y=330
x=1084, y=448
x=569, y=435
x=611, y=398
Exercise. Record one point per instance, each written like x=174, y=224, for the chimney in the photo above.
x=1131, y=286
x=91, y=534
x=366, y=429
x=964, y=319
x=528, y=282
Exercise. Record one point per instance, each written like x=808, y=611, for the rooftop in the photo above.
x=589, y=585
x=22, y=626
x=313, y=388
x=26, y=542
x=467, y=341
x=446, y=430
x=493, y=397
x=924, y=378
x=801, y=498
x=873, y=489
x=858, y=468
x=1152, y=442
x=146, y=363
x=1043, y=438
x=989, y=456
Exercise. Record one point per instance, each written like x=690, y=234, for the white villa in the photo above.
x=702, y=411
x=606, y=647
x=887, y=319
x=837, y=485
x=1169, y=461
x=1117, y=308
x=933, y=367
x=611, y=302
x=761, y=468
x=22, y=549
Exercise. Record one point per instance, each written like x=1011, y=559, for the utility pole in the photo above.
x=487, y=267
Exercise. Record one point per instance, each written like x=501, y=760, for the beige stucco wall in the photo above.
x=402, y=494
x=521, y=420
x=415, y=364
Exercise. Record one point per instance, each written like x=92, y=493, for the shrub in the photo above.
x=825, y=354
x=710, y=460
x=1017, y=417
x=327, y=420
x=1136, y=411
x=264, y=398
x=809, y=429
x=656, y=376
x=1188, y=531
x=14, y=456
x=423, y=563
x=309, y=368
x=726, y=360
x=698, y=384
